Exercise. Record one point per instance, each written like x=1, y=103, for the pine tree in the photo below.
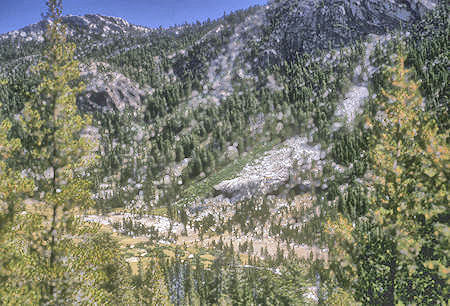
x=57, y=259
x=410, y=184
x=55, y=151
x=396, y=252
x=13, y=188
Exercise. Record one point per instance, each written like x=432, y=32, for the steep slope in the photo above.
x=246, y=130
x=202, y=70
x=87, y=26
x=174, y=83
x=304, y=26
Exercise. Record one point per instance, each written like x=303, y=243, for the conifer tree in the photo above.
x=403, y=235
x=13, y=188
x=57, y=259
x=410, y=183
x=55, y=152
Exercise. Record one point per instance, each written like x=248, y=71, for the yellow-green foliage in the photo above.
x=57, y=156
x=52, y=123
x=341, y=298
x=12, y=187
x=407, y=205
x=12, y=184
x=410, y=170
x=47, y=255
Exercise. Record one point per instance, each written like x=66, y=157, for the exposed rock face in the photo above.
x=271, y=171
x=293, y=26
x=161, y=225
x=275, y=169
x=246, y=32
x=87, y=24
x=110, y=91
x=306, y=25
x=352, y=105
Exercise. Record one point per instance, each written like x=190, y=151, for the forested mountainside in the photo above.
x=248, y=160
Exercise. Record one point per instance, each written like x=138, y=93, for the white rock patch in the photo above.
x=269, y=172
x=162, y=224
x=352, y=105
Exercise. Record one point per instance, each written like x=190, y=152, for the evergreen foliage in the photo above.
x=401, y=253
x=382, y=187
x=49, y=256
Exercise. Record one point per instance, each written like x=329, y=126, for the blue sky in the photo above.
x=15, y=14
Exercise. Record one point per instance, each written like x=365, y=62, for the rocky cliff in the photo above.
x=90, y=25
x=304, y=26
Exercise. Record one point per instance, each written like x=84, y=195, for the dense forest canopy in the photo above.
x=229, y=162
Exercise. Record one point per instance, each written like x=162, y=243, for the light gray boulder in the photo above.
x=268, y=173
x=307, y=25
x=109, y=91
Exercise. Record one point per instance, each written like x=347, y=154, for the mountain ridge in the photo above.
x=244, y=131
x=99, y=24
